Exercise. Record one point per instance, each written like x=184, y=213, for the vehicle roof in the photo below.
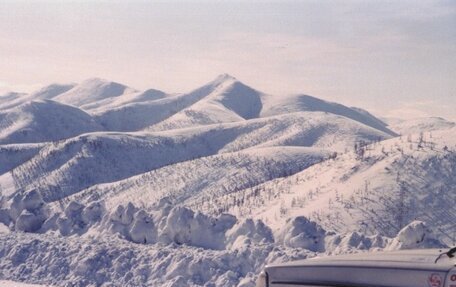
x=409, y=259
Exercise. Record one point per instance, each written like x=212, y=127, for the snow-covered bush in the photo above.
x=142, y=228
x=28, y=211
x=300, y=232
x=5, y=216
x=353, y=242
x=130, y=222
x=253, y=230
x=93, y=212
x=415, y=235
x=183, y=226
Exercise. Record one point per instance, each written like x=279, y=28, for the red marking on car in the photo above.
x=435, y=280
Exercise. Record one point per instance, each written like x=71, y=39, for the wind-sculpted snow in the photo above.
x=184, y=247
x=299, y=232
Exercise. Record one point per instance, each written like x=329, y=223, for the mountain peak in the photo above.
x=224, y=77
x=92, y=90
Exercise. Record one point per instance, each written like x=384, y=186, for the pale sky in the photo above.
x=394, y=58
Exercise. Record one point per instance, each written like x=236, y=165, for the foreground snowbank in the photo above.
x=5, y=283
x=163, y=245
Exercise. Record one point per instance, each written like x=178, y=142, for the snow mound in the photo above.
x=248, y=231
x=300, y=232
x=133, y=224
x=28, y=211
x=184, y=226
x=414, y=236
x=354, y=242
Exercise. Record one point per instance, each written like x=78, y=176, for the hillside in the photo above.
x=90, y=91
x=296, y=103
x=223, y=100
x=62, y=168
x=417, y=125
x=43, y=121
x=377, y=189
x=14, y=155
x=111, y=103
x=12, y=100
x=212, y=176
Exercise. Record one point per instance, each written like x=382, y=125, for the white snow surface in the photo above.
x=6, y=283
x=105, y=185
x=92, y=90
x=42, y=121
x=417, y=125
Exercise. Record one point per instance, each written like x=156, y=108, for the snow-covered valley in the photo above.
x=105, y=185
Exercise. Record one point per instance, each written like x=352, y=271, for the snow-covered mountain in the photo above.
x=202, y=188
x=295, y=103
x=43, y=121
x=12, y=100
x=62, y=168
x=417, y=125
x=223, y=100
x=90, y=91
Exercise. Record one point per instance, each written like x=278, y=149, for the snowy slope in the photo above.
x=140, y=115
x=128, y=98
x=295, y=103
x=69, y=166
x=392, y=183
x=12, y=100
x=92, y=90
x=14, y=155
x=415, y=126
x=42, y=121
x=51, y=91
x=223, y=100
x=6, y=283
x=212, y=176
